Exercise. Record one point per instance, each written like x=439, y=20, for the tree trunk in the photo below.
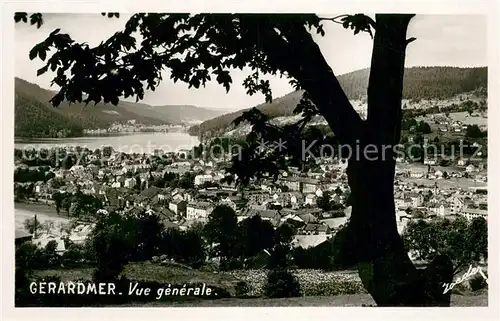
x=374, y=243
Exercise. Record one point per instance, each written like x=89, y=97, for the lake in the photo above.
x=142, y=143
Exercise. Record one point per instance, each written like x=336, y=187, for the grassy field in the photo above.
x=353, y=300
x=441, y=183
x=462, y=117
x=451, y=135
x=146, y=271
x=452, y=183
x=466, y=119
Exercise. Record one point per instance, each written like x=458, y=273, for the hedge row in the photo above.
x=312, y=282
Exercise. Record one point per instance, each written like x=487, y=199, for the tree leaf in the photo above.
x=42, y=54
x=54, y=32
x=42, y=70
x=20, y=16
x=33, y=52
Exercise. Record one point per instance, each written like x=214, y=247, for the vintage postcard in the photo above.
x=332, y=157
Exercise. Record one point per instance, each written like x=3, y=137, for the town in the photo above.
x=183, y=190
x=240, y=153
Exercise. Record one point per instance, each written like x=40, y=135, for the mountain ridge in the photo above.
x=32, y=110
x=419, y=83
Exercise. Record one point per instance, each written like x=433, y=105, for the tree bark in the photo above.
x=384, y=266
x=373, y=242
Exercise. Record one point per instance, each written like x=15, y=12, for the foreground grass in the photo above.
x=352, y=300
x=146, y=271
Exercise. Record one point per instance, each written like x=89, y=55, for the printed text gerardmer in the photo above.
x=110, y=289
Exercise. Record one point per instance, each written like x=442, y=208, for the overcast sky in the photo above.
x=442, y=40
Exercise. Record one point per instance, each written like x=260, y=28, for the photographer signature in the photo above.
x=470, y=272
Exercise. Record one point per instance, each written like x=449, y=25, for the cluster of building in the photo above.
x=293, y=197
x=445, y=124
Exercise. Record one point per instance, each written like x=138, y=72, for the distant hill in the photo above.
x=419, y=83
x=33, y=118
x=36, y=117
x=173, y=114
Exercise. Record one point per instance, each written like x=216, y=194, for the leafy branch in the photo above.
x=357, y=22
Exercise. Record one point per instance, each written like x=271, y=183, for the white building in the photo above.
x=309, y=185
x=438, y=209
x=471, y=213
x=470, y=168
x=417, y=174
x=77, y=169
x=129, y=183
x=43, y=239
x=201, y=179
x=295, y=199
x=116, y=184
x=177, y=206
x=228, y=202
x=417, y=199
x=310, y=199
x=430, y=161
x=402, y=203
x=400, y=159
x=199, y=210
x=402, y=219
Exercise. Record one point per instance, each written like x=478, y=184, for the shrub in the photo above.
x=50, y=255
x=334, y=288
x=27, y=256
x=232, y=264
x=477, y=283
x=50, y=279
x=242, y=288
x=281, y=284
x=74, y=254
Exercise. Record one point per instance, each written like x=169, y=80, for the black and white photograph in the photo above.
x=250, y=159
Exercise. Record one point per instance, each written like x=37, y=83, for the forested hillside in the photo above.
x=419, y=83
x=35, y=116
x=423, y=82
x=172, y=114
x=32, y=101
x=33, y=119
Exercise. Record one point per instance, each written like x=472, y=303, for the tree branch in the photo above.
x=334, y=19
x=306, y=63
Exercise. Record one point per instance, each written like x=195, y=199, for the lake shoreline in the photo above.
x=86, y=135
x=142, y=143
